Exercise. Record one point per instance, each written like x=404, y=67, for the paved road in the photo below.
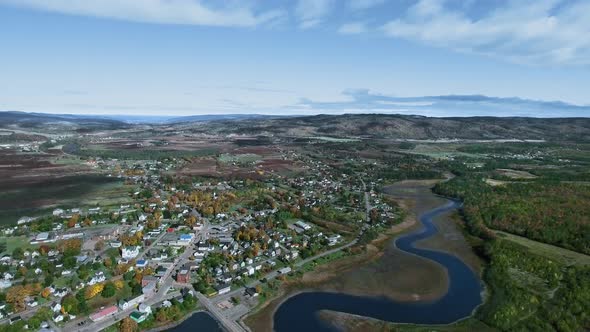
x=367, y=202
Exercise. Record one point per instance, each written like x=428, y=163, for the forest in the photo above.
x=552, y=212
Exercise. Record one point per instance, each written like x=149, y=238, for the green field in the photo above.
x=8, y=244
x=558, y=254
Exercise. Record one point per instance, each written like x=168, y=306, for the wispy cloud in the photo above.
x=311, y=12
x=364, y=4
x=539, y=32
x=188, y=12
x=365, y=101
x=352, y=28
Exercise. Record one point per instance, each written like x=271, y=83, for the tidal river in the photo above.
x=299, y=313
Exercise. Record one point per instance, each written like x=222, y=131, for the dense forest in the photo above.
x=527, y=291
x=550, y=212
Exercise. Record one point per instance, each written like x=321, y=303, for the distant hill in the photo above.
x=409, y=127
x=44, y=121
x=218, y=117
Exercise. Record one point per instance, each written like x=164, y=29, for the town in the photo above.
x=181, y=244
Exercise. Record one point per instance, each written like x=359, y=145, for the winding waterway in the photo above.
x=299, y=313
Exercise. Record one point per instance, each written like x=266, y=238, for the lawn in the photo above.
x=8, y=244
x=562, y=255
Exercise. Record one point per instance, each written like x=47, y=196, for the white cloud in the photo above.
x=352, y=28
x=364, y=4
x=311, y=12
x=190, y=12
x=540, y=32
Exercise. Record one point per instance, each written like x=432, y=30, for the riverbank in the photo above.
x=171, y=325
x=375, y=270
x=354, y=323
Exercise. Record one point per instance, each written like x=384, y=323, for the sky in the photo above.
x=186, y=57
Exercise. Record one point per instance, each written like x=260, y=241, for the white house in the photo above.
x=98, y=277
x=131, y=303
x=130, y=252
x=55, y=307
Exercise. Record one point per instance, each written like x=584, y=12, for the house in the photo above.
x=60, y=292
x=251, y=291
x=131, y=303
x=222, y=289
x=144, y=308
x=149, y=289
x=138, y=317
x=102, y=314
x=183, y=276
x=57, y=317
x=250, y=270
x=116, y=244
x=98, y=277
x=141, y=263
x=130, y=252
x=14, y=319
x=41, y=237
x=25, y=220
x=32, y=303
x=302, y=225
x=186, y=237
x=334, y=239
x=5, y=284
x=58, y=212
x=55, y=307
x=148, y=280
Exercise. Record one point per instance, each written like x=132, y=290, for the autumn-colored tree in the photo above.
x=161, y=315
x=45, y=292
x=44, y=249
x=93, y=290
x=190, y=221
x=73, y=220
x=70, y=247
x=128, y=325
x=16, y=294
x=119, y=284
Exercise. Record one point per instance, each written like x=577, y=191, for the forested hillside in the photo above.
x=550, y=212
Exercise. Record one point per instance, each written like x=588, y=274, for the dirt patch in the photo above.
x=515, y=174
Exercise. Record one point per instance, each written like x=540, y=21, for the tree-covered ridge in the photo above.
x=551, y=212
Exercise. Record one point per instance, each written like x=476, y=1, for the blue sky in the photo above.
x=180, y=57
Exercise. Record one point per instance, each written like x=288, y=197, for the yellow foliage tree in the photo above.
x=119, y=284
x=93, y=290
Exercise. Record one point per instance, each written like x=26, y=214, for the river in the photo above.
x=299, y=312
x=200, y=321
